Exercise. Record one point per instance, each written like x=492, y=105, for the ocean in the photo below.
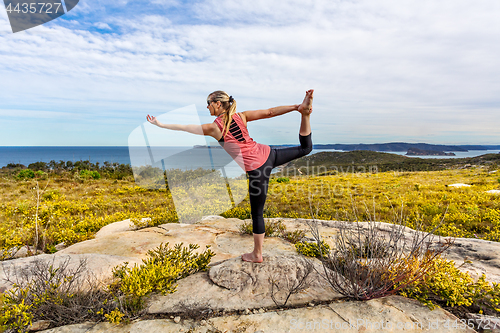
x=185, y=157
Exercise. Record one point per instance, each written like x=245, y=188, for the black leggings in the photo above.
x=259, y=178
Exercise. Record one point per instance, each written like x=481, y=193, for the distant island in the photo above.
x=422, y=152
x=204, y=146
x=400, y=147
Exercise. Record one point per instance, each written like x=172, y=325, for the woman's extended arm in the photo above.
x=269, y=113
x=279, y=110
x=205, y=129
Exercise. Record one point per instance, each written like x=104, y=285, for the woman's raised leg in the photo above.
x=285, y=155
x=306, y=109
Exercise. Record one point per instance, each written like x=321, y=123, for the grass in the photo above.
x=471, y=212
x=72, y=210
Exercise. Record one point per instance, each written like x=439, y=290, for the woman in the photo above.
x=258, y=159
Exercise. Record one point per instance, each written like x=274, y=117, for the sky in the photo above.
x=383, y=71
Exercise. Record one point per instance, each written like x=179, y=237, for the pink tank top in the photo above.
x=249, y=154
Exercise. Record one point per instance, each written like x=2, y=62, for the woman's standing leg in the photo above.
x=259, y=178
x=258, y=181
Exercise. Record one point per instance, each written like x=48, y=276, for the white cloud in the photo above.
x=102, y=25
x=395, y=60
x=33, y=114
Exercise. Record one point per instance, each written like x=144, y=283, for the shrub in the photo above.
x=51, y=195
x=273, y=228
x=158, y=273
x=87, y=174
x=67, y=295
x=156, y=218
x=368, y=247
x=38, y=166
x=241, y=213
x=15, y=165
x=41, y=175
x=25, y=174
x=294, y=236
x=60, y=294
x=370, y=259
x=311, y=249
x=280, y=180
x=445, y=282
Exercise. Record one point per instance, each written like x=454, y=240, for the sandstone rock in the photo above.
x=159, y=325
x=113, y=228
x=39, y=325
x=211, y=217
x=234, y=245
x=232, y=285
x=238, y=285
x=372, y=316
x=24, y=251
x=60, y=246
x=77, y=328
x=483, y=254
x=486, y=323
x=493, y=191
x=389, y=314
x=133, y=244
x=99, y=265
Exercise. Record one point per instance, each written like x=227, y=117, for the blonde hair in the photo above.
x=228, y=104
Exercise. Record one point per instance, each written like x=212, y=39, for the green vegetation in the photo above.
x=72, y=209
x=370, y=161
x=26, y=174
x=158, y=273
x=424, y=196
x=280, y=180
x=86, y=174
x=45, y=292
x=446, y=284
x=163, y=267
x=311, y=249
x=275, y=229
x=67, y=296
x=272, y=228
x=77, y=199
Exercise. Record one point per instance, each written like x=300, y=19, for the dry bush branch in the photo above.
x=373, y=259
x=63, y=294
x=289, y=286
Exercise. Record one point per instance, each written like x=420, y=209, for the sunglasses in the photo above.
x=208, y=102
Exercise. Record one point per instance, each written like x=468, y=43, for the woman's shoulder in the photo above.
x=242, y=117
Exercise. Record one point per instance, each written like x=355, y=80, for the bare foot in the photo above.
x=306, y=107
x=251, y=257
